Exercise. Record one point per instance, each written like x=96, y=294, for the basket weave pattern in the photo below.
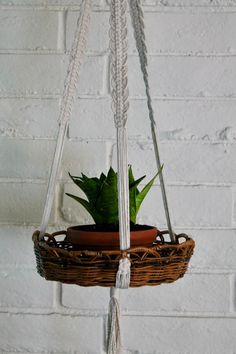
x=163, y=262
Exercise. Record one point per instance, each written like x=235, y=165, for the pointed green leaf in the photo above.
x=90, y=187
x=102, y=177
x=140, y=197
x=136, y=183
x=91, y=210
x=107, y=202
x=132, y=204
x=111, y=177
x=131, y=176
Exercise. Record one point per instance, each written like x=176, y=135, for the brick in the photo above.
x=175, y=32
x=49, y=2
x=176, y=120
x=187, y=162
x=26, y=158
x=92, y=119
x=16, y=246
x=185, y=119
x=38, y=118
x=195, y=292
x=88, y=157
x=22, y=203
x=33, y=158
x=177, y=76
x=21, y=79
x=29, y=118
x=215, y=249
x=98, y=39
x=187, y=3
x=29, y=30
x=92, y=298
x=189, y=206
x=185, y=32
x=21, y=288
x=158, y=335
x=50, y=334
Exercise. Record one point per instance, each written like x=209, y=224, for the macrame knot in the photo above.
x=123, y=274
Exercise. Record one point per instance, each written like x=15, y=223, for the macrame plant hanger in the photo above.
x=119, y=83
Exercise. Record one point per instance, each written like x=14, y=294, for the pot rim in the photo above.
x=91, y=228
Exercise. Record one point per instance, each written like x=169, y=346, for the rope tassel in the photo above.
x=123, y=274
x=114, y=336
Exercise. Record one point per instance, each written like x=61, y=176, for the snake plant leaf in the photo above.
x=132, y=196
x=92, y=211
x=131, y=176
x=132, y=204
x=107, y=202
x=111, y=178
x=90, y=186
x=132, y=182
x=133, y=192
x=140, y=197
x=136, y=183
x=102, y=178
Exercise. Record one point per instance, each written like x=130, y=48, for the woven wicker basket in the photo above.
x=163, y=262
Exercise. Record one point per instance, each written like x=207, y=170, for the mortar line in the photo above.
x=101, y=313
x=170, y=183
x=202, y=9
x=56, y=96
x=61, y=48
x=133, y=140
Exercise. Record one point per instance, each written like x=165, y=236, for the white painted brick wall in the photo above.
x=192, y=51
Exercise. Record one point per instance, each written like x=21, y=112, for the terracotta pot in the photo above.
x=86, y=237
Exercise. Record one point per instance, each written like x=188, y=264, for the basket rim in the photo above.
x=189, y=242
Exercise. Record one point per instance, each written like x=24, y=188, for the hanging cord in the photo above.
x=137, y=17
x=70, y=89
x=119, y=82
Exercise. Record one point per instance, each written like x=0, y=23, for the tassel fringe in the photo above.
x=114, y=336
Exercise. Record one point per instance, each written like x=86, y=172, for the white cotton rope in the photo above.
x=70, y=89
x=119, y=82
x=137, y=17
x=114, y=336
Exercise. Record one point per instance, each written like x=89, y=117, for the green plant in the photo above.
x=102, y=196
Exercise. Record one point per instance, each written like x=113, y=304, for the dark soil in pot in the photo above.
x=91, y=237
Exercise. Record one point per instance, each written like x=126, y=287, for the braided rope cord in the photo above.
x=119, y=83
x=137, y=17
x=119, y=93
x=70, y=89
